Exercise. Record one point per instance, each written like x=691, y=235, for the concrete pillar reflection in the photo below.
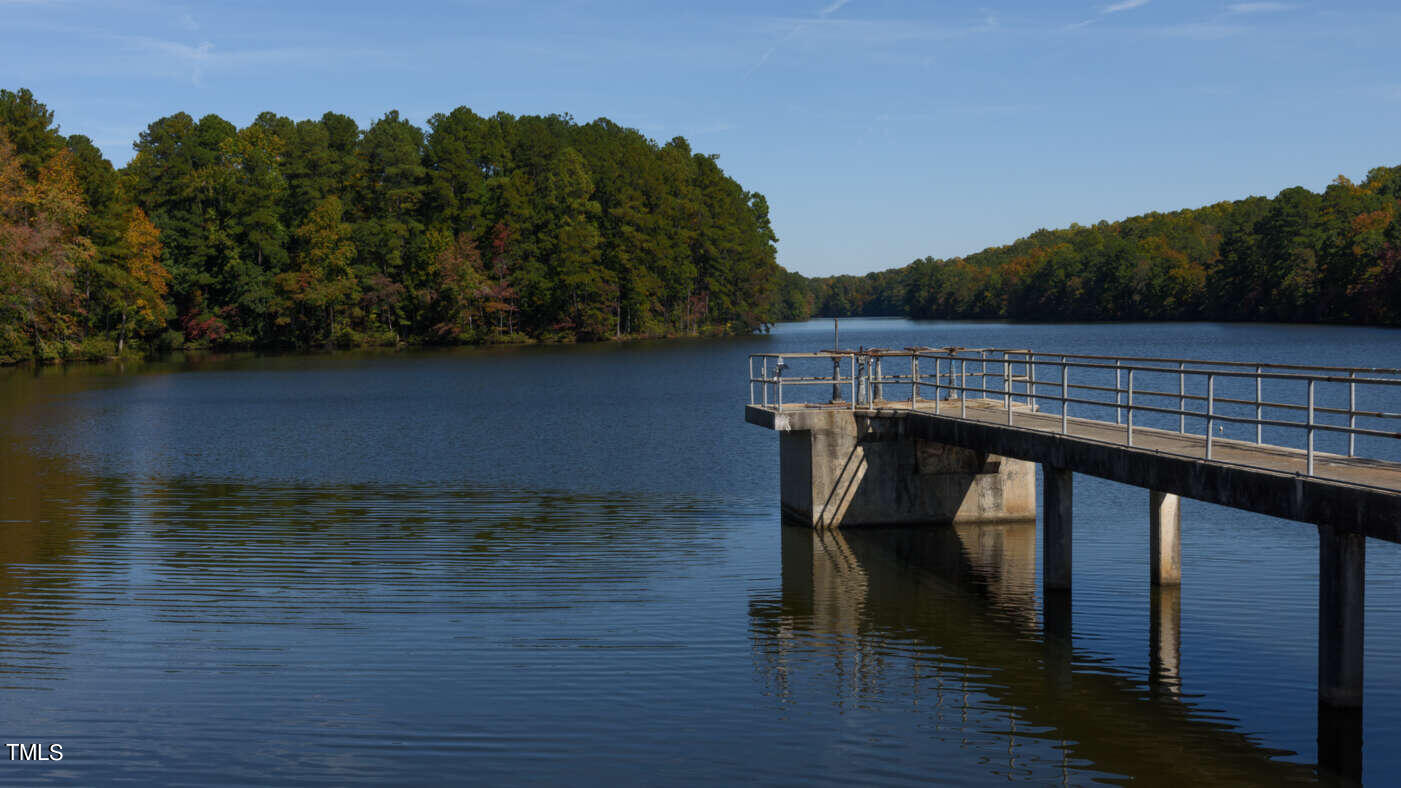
x=1165, y=640
x=1058, y=644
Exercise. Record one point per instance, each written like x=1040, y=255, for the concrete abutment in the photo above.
x=839, y=468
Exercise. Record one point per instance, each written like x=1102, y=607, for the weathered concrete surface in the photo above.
x=839, y=468
x=1164, y=539
x=1274, y=487
x=1057, y=496
x=1342, y=566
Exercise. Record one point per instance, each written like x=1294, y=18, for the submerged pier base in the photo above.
x=841, y=468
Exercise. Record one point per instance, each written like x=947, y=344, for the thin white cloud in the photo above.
x=1257, y=8
x=197, y=59
x=831, y=8
x=1203, y=31
x=1125, y=5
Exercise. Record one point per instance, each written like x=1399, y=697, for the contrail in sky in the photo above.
x=831, y=8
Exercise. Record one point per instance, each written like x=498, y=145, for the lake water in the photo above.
x=566, y=564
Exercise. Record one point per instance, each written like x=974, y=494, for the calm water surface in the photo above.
x=567, y=564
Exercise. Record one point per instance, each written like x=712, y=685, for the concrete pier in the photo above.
x=838, y=468
x=1056, y=494
x=1342, y=566
x=964, y=454
x=1164, y=539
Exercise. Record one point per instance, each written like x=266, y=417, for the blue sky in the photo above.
x=880, y=130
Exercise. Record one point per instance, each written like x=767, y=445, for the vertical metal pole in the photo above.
x=836, y=378
x=962, y=388
x=1130, y=413
x=1310, y=456
x=750, y=378
x=1210, y=411
x=1118, y=399
x=1007, y=383
x=1352, y=414
x=937, y=396
x=1064, y=397
x=854, y=391
x=1030, y=383
x=877, y=390
x=764, y=374
x=983, y=375
x=1259, y=409
x=914, y=381
x=778, y=376
x=1181, y=397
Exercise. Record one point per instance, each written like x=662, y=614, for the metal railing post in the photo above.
x=877, y=390
x=1064, y=397
x=1030, y=383
x=962, y=388
x=1181, y=397
x=1007, y=385
x=1352, y=414
x=855, y=393
x=914, y=381
x=983, y=373
x=764, y=374
x=750, y=378
x=937, y=367
x=1259, y=409
x=1309, y=466
x=836, y=378
x=1210, y=411
x=778, y=378
x=1130, y=409
x=1118, y=394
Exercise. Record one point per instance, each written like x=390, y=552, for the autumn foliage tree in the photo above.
x=323, y=282
x=1300, y=256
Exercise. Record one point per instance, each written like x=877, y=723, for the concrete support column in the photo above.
x=1164, y=539
x=1055, y=539
x=1342, y=564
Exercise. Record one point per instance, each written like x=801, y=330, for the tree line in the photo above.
x=318, y=233
x=1299, y=257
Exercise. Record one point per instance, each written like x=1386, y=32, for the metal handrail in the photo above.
x=1008, y=378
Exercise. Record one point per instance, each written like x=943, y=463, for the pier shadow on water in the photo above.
x=978, y=637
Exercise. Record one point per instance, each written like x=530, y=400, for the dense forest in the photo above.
x=320, y=233
x=1301, y=256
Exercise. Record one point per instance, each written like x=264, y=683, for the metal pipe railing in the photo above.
x=1128, y=396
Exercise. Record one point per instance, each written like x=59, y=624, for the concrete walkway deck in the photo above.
x=1352, y=493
